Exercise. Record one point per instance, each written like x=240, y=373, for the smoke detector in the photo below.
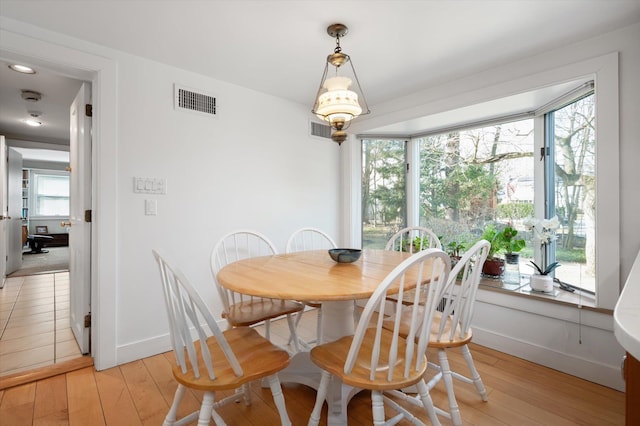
x=31, y=95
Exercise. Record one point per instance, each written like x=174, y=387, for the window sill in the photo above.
x=559, y=296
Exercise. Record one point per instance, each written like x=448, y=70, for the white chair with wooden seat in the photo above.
x=380, y=359
x=451, y=326
x=404, y=239
x=215, y=360
x=241, y=309
x=310, y=239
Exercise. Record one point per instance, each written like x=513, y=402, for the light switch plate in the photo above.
x=151, y=207
x=142, y=185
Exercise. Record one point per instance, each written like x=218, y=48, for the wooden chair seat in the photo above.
x=448, y=339
x=259, y=309
x=331, y=356
x=257, y=357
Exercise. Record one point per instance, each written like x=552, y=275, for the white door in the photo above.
x=14, y=201
x=79, y=218
x=3, y=211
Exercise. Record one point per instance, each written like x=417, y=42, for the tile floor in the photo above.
x=34, y=322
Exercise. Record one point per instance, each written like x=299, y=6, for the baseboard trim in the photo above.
x=41, y=373
x=602, y=374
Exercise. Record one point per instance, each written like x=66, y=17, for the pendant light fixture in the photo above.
x=340, y=98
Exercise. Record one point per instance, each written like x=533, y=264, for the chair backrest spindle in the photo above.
x=309, y=239
x=233, y=247
x=403, y=240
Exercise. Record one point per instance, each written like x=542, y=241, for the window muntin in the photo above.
x=50, y=194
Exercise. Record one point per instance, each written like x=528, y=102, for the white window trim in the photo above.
x=605, y=75
x=33, y=196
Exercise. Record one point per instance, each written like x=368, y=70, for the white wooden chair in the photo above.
x=451, y=326
x=241, y=309
x=380, y=359
x=310, y=239
x=215, y=360
x=404, y=238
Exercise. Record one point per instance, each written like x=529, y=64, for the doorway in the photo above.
x=44, y=291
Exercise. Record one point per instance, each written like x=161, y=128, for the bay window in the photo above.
x=501, y=172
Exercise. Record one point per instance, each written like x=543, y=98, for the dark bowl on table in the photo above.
x=345, y=255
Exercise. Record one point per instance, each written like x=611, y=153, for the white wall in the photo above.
x=246, y=168
x=241, y=169
x=579, y=342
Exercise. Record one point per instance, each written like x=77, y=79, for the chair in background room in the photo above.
x=241, y=309
x=216, y=360
x=380, y=359
x=451, y=326
x=310, y=239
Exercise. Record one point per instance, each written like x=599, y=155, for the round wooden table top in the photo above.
x=310, y=275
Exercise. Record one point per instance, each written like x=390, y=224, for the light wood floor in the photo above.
x=520, y=393
x=34, y=323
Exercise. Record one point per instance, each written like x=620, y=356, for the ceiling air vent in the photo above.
x=320, y=130
x=187, y=99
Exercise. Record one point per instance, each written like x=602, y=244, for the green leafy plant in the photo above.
x=454, y=248
x=502, y=240
x=490, y=233
x=510, y=244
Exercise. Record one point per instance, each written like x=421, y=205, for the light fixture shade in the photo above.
x=340, y=98
x=338, y=103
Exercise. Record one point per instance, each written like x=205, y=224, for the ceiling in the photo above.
x=279, y=46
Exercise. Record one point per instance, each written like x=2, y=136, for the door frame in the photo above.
x=41, y=50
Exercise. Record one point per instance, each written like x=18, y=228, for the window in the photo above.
x=432, y=114
x=383, y=190
x=571, y=178
x=472, y=177
x=50, y=193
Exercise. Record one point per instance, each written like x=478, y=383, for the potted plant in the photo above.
x=511, y=245
x=545, y=231
x=454, y=248
x=493, y=266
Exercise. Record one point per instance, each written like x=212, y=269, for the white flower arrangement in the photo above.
x=545, y=230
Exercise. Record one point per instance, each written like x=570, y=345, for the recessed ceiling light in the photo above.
x=22, y=68
x=34, y=123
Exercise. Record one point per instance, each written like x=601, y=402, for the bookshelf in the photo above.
x=25, y=197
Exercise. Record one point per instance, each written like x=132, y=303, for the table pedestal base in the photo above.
x=337, y=321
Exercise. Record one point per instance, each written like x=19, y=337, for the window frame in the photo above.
x=34, y=195
x=603, y=70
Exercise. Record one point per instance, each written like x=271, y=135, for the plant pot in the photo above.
x=512, y=268
x=543, y=283
x=493, y=267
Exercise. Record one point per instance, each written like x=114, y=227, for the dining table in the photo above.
x=314, y=276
